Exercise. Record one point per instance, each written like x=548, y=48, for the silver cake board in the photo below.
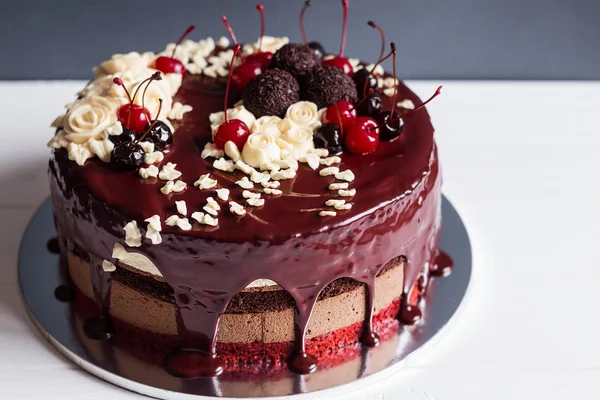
x=39, y=276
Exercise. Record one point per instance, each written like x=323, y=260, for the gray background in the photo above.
x=441, y=39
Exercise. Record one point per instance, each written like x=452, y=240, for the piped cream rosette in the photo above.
x=261, y=148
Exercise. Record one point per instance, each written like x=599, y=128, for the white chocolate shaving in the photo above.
x=330, y=160
x=259, y=177
x=271, y=184
x=283, y=174
x=255, y=202
x=245, y=183
x=224, y=165
x=242, y=166
x=211, y=150
x=250, y=195
x=347, y=193
x=181, y=207
x=236, y=208
x=147, y=146
x=168, y=172
x=346, y=175
x=107, y=266
x=223, y=194
x=153, y=229
x=133, y=236
x=205, y=182
x=337, y=186
x=150, y=172
x=274, y=192
x=154, y=157
x=329, y=171
x=327, y=213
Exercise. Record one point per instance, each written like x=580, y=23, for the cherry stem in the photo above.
x=343, y=45
x=393, y=46
x=229, y=30
x=155, y=77
x=370, y=91
x=261, y=10
x=160, y=102
x=372, y=24
x=119, y=81
x=306, y=5
x=380, y=61
x=437, y=92
x=187, y=32
x=236, y=50
x=337, y=109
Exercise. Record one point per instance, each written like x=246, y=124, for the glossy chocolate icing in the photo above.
x=396, y=211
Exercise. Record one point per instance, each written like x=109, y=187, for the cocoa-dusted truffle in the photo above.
x=271, y=93
x=297, y=59
x=326, y=85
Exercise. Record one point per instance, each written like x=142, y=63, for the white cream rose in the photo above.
x=260, y=148
x=300, y=138
x=88, y=118
x=303, y=113
x=125, y=62
x=267, y=124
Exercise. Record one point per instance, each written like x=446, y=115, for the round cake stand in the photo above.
x=39, y=276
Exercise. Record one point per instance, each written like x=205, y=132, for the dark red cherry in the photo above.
x=263, y=59
x=363, y=136
x=364, y=81
x=128, y=136
x=234, y=130
x=369, y=107
x=341, y=63
x=389, y=130
x=168, y=65
x=242, y=74
x=341, y=113
x=317, y=48
x=160, y=134
x=134, y=117
x=127, y=156
x=328, y=136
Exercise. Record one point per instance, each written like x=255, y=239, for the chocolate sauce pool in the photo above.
x=396, y=211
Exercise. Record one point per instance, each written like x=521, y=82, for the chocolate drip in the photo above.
x=99, y=328
x=64, y=293
x=395, y=211
x=368, y=337
x=442, y=265
x=53, y=246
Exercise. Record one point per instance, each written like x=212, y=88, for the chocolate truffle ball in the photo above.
x=295, y=58
x=326, y=85
x=271, y=93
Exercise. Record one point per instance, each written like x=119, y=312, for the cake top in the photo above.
x=268, y=140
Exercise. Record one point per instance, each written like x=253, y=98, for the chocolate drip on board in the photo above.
x=207, y=267
x=99, y=327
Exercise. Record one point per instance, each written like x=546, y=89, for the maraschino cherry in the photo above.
x=133, y=116
x=263, y=58
x=362, y=137
x=341, y=113
x=234, y=130
x=340, y=61
x=315, y=46
x=243, y=73
x=171, y=65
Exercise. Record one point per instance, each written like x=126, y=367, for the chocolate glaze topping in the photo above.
x=395, y=212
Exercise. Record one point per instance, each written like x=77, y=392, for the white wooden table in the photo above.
x=521, y=165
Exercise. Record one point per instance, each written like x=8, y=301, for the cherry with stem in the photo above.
x=169, y=65
x=131, y=115
x=233, y=130
x=340, y=61
x=263, y=58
